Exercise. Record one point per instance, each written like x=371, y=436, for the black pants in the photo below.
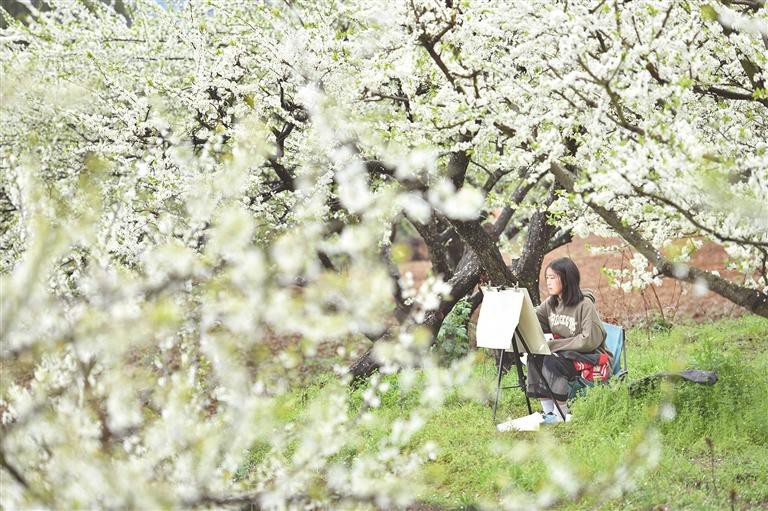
x=558, y=371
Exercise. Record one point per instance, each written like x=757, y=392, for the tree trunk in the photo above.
x=481, y=253
x=437, y=251
x=526, y=272
x=537, y=240
x=484, y=246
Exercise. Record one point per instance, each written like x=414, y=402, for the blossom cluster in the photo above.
x=182, y=188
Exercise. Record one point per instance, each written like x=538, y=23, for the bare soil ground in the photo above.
x=673, y=301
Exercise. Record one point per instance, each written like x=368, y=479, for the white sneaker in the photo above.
x=554, y=418
x=528, y=423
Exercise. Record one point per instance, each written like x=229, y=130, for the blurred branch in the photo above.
x=689, y=216
x=751, y=299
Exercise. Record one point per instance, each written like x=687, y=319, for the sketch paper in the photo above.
x=502, y=311
x=499, y=315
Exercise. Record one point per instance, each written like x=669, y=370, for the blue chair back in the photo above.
x=614, y=341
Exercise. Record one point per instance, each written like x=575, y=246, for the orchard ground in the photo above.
x=713, y=440
x=714, y=446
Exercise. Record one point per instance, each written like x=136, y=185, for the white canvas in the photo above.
x=501, y=312
x=499, y=316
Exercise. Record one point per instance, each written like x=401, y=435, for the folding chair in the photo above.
x=616, y=342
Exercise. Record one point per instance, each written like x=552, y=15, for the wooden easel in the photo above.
x=511, y=319
x=521, y=378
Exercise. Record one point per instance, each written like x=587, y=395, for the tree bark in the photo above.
x=484, y=246
x=457, y=166
x=454, y=246
x=537, y=240
x=437, y=252
x=561, y=238
x=528, y=266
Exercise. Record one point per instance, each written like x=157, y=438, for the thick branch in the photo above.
x=478, y=239
x=484, y=245
x=274, y=161
x=508, y=211
x=457, y=166
x=708, y=90
x=689, y=216
x=563, y=237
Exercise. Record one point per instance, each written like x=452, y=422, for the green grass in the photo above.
x=715, y=448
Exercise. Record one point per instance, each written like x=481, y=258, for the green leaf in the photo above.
x=401, y=253
x=708, y=13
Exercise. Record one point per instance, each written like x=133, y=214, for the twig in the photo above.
x=711, y=446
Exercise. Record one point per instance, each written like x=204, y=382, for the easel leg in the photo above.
x=498, y=385
x=520, y=375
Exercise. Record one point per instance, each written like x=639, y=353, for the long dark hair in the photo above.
x=568, y=272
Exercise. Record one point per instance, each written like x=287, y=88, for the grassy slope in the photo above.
x=733, y=414
x=474, y=463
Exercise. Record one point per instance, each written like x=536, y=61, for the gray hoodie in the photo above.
x=579, y=326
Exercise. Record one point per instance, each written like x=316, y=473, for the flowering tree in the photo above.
x=178, y=190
